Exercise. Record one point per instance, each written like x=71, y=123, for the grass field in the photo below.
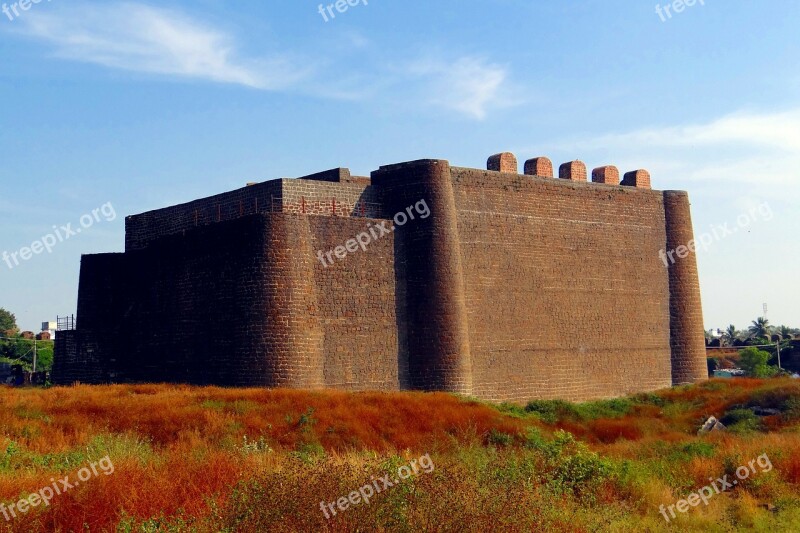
x=211, y=459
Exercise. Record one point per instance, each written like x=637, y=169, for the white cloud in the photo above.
x=744, y=148
x=143, y=38
x=469, y=85
x=777, y=130
x=147, y=39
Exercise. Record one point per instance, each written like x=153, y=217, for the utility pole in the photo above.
x=34, y=354
x=778, y=345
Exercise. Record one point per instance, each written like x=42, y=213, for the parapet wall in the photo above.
x=330, y=197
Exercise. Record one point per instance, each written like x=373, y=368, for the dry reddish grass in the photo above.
x=179, y=453
x=46, y=421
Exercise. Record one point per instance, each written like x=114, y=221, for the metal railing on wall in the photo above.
x=65, y=323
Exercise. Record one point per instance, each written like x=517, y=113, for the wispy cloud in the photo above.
x=468, y=85
x=143, y=38
x=148, y=39
x=746, y=148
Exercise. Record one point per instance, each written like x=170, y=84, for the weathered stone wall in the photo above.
x=351, y=197
x=243, y=303
x=356, y=306
x=434, y=316
x=309, y=197
x=141, y=230
x=515, y=287
x=565, y=291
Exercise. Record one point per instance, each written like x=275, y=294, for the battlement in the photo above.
x=506, y=162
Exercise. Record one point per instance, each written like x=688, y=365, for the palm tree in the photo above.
x=785, y=332
x=759, y=329
x=730, y=334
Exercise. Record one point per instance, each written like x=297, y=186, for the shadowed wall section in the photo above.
x=430, y=265
x=293, y=349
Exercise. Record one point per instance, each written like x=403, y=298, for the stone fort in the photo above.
x=513, y=287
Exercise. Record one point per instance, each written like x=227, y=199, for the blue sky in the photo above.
x=144, y=105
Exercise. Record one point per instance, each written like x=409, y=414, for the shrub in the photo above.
x=649, y=398
x=754, y=362
x=741, y=421
x=792, y=409
x=498, y=438
x=550, y=411
x=615, y=408
x=574, y=468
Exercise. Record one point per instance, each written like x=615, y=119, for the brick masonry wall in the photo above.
x=143, y=229
x=565, y=291
x=93, y=349
x=245, y=303
x=331, y=199
x=355, y=197
x=516, y=287
x=196, y=307
x=356, y=307
x=69, y=365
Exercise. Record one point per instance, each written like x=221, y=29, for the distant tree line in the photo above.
x=761, y=343
x=16, y=350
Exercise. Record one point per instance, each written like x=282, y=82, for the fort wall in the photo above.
x=356, y=308
x=565, y=291
x=515, y=287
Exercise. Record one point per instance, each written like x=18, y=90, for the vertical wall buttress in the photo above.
x=686, y=314
x=430, y=262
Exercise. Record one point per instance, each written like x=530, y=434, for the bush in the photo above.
x=792, y=413
x=754, y=362
x=571, y=466
x=498, y=438
x=741, y=421
x=551, y=411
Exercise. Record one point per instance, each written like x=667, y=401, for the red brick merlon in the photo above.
x=504, y=162
x=637, y=178
x=573, y=171
x=608, y=174
x=539, y=166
